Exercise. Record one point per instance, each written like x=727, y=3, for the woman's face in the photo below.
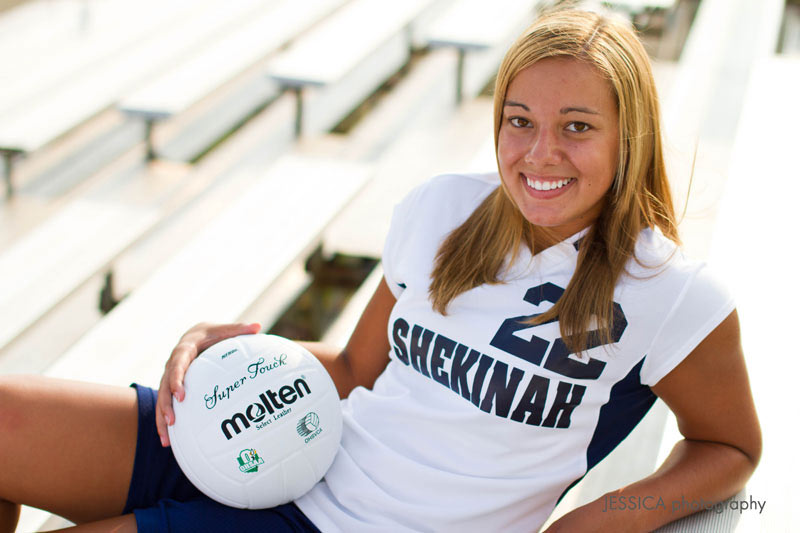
x=558, y=144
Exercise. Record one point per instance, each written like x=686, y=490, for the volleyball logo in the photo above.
x=260, y=423
x=308, y=424
x=249, y=461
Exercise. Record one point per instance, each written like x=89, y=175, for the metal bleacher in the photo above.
x=61, y=87
x=94, y=229
x=97, y=228
x=479, y=36
x=257, y=87
x=220, y=60
x=325, y=79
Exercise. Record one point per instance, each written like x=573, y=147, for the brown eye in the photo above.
x=578, y=127
x=518, y=122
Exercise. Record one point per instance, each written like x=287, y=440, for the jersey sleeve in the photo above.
x=396, y=238
x=424, y=218
x=389, y=253
x=700, y=307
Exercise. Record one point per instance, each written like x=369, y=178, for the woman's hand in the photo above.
x=193, y=342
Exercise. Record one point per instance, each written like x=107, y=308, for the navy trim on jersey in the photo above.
x=628, y=402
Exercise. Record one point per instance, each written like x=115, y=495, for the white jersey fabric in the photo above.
x=480, y=423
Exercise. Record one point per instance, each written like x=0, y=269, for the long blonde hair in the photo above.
x=475, y=253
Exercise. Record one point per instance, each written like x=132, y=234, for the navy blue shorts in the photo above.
x=164, y=500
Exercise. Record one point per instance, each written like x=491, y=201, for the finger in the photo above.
x=182, y=356
x=164, y=413
x=164, y=404
x=214, y=334
x=174, y=376
x=193, y=342
x=161, y=427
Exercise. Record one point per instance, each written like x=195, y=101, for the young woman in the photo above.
x=526, y=323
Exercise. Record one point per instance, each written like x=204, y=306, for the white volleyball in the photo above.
x=260, y=424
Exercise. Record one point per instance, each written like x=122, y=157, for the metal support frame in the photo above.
x=460, y=75
x=8, y=168
x=108, y=299
x=148, y=138
x=298, y=111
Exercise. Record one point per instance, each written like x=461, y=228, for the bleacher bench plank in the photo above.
x=43, y=268
x=337, y=46
x=217, y=275
x=473, y=27
x=35, y=62
x=345, y=58
x=221, y=60
x=635, y=6
x=474, y=24
x=90, y=232
x=31, y=126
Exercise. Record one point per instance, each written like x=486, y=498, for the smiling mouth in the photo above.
x=548, y=185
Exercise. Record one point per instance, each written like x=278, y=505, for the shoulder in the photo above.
x=656, y=255
x=472, y=180
x=459, y=191
x=424, y=218
x=677, y=299
x=653, y=249
x=443, y=202
x=661, y=265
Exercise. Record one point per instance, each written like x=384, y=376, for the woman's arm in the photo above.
x=360, y=363
x=367, y=350
x=709, y=393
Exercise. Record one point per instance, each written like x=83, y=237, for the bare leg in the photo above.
x=66, y=447
x=119, y=524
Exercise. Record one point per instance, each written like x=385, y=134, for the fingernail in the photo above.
x=163, y=442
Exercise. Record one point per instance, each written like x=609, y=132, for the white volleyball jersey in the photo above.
x=481, y=422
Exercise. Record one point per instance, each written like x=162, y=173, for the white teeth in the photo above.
x=547, y=185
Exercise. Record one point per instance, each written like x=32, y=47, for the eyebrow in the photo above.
x=564, y=110
x=516, y=104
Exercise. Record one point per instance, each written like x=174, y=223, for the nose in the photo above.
x=545, y=149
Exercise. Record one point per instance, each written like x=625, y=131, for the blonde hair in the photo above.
x=475, y=253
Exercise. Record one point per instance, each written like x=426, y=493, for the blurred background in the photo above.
x=208, y=160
